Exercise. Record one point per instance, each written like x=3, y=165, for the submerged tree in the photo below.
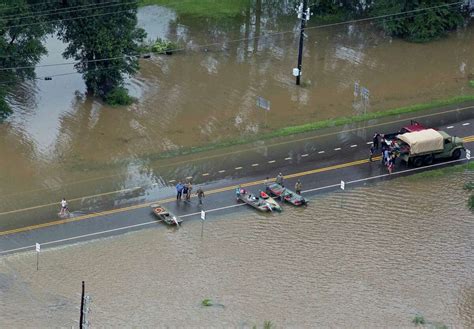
x=105, y=39
x=22, y=31
x=427, y=20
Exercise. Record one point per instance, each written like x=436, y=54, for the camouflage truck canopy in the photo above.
x=423, y=141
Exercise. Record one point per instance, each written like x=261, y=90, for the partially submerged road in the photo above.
x=319, y=168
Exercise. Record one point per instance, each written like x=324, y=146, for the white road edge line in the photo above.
x=320, y=152
x=449, y=127
x=466, y=124
x=289, y=158
x=238, y=168
x=221, y=171
x=354, y=145
x=368, y=143
x=304, y=155
x=272, y=161
x=231, y=206
x=255, y=165
x=337, y=149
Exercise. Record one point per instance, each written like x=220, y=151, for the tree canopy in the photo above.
x=95, y=37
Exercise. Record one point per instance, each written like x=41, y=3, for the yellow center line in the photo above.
x=467, y=139
x=214, y=191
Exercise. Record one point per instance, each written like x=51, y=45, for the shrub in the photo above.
x=418, y=319
x=119, y=97
x=207, y=302
x=471, y=83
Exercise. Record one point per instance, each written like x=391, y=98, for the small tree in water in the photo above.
x=95, y=37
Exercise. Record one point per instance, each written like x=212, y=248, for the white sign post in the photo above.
x=343, y=187
x=468, y=157
x=203, y=218
x=38, y=249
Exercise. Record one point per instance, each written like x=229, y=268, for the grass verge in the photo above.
x=317, y=125
x=203, y=8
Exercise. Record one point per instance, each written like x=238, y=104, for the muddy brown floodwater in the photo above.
x=61, y=143
x=393, y=250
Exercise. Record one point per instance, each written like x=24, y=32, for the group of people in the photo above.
x=388, y=156
x=185, y=190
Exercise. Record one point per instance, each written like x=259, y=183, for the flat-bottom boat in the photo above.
x=271, y=201
x=163, y=214
x=286, y=195
x=252, y=200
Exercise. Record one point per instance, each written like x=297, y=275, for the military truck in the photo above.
x=425, y=146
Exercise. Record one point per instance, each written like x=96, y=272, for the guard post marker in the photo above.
x=38, y=249
x=203, y=218
x=343, y=187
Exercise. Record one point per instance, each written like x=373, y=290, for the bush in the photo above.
x=159, y=46
x=471, y=202
x=119, y=97
x=418, y=319
x=207, y=302
x=471, y=83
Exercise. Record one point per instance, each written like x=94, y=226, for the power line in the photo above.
x=69, y=10
x=71, y=18
x=420, y=11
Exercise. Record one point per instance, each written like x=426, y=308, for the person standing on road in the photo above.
x=372, y=152
x=375, y=141
x=185, y=189
x=200, y=195
x=188, y=193
x=179, y=190
x=279, y=179
x=298, y=187
x=64, y=209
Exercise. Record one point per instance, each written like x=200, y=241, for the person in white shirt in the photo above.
x=64, y=209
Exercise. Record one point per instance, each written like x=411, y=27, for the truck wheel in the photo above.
x=417, y=162
x=456, y=154
x=428, y=160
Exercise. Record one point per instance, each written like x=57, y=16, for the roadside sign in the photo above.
x=263, y=103
x=365, y=93
x=203, y=215
x=38, y=247
x=468, y=154
x=356, y=88
x=343, y=185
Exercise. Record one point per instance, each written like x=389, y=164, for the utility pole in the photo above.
x=85, y=308
x=303, y=14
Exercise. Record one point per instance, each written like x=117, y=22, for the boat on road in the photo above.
x=254, y=201
x=271, y=201
x=165, y=215
x=286, y=195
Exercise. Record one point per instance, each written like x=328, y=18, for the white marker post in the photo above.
x=38, y=249
x=203, y=218
x=468, y=157
x=343, y=187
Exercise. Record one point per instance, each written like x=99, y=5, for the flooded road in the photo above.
x=61, y=143
x=393, y=250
